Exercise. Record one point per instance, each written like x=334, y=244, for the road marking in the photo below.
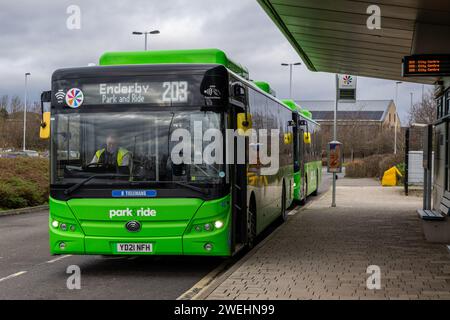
x=206, y=280
x=59, y=258
x=292, y=212
x=13, y=275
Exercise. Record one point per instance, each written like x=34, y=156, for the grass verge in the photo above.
x=23, y=182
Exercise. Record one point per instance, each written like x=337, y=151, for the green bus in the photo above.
x=115, y=187
x=307, y=153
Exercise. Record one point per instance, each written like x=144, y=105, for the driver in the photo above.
x=112, y=155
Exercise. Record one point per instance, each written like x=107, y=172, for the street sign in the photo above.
x=335, y=157
x=346, y=88
x=347, y=81
x=426, y=65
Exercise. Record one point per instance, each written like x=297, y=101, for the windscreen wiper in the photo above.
x=178, y=183
x=186, y=185
x=95, y=176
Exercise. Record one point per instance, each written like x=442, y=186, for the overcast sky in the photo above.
x=34, y=38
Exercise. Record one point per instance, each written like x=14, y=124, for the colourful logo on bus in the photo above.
x=74, y=98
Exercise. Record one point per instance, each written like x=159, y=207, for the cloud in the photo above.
x=35, y=39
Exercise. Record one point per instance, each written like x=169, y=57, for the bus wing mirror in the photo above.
x=244, y=123
x=288, y=138
x=307, y=138
x=44, y=131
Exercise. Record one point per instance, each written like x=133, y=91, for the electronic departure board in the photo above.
x=426, y=65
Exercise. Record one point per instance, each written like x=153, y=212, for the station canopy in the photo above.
x=332, y=35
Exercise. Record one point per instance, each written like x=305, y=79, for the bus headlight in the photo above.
x=218, y=224
x=207, y=227
x=55, y=224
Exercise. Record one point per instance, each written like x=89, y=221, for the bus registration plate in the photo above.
x=134, y=247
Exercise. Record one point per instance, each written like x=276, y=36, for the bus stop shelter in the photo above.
x=371, y=39
x=323, y=252
x=338, y=36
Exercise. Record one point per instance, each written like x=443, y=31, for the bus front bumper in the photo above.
x=213, y=243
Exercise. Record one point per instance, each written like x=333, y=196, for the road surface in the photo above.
x=28, y=271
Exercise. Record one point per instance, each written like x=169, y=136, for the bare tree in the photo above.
x=35, y=107
x=348, y=131
x=11, y=124
x=424, y=111
x=4, y=100
x=16, y=104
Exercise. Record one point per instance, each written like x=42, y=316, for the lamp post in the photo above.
x=290, y=75
x=396, y=116
x=333, y=199
x=25, y=111
x=145, y=33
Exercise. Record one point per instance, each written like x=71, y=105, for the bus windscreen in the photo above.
x=139, y=144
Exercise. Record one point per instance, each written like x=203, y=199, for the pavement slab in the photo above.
x=325, y=253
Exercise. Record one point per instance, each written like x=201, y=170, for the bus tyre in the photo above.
x=251, y=225
x=316, y=192
x=302, y=202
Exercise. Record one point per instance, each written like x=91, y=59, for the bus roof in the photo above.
x=194, y=56
x=127, y=70
x=295, y=107
x=307, y=114
x=292, y=105
x=265, y=86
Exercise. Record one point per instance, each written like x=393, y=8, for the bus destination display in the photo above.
x=426, y=65
x=79, y=94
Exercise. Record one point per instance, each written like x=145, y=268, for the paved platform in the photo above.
x=324, y=253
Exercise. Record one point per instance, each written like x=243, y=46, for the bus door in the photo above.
x=238, y=172
x=301, y=156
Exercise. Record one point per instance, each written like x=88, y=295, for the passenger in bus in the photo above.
x=112, y=154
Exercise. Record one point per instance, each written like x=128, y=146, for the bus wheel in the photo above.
x=316, y=192
x=302, y=202
x=251, y=225
x=284, y=215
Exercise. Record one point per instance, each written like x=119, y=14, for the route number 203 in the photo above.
x=175, y=91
